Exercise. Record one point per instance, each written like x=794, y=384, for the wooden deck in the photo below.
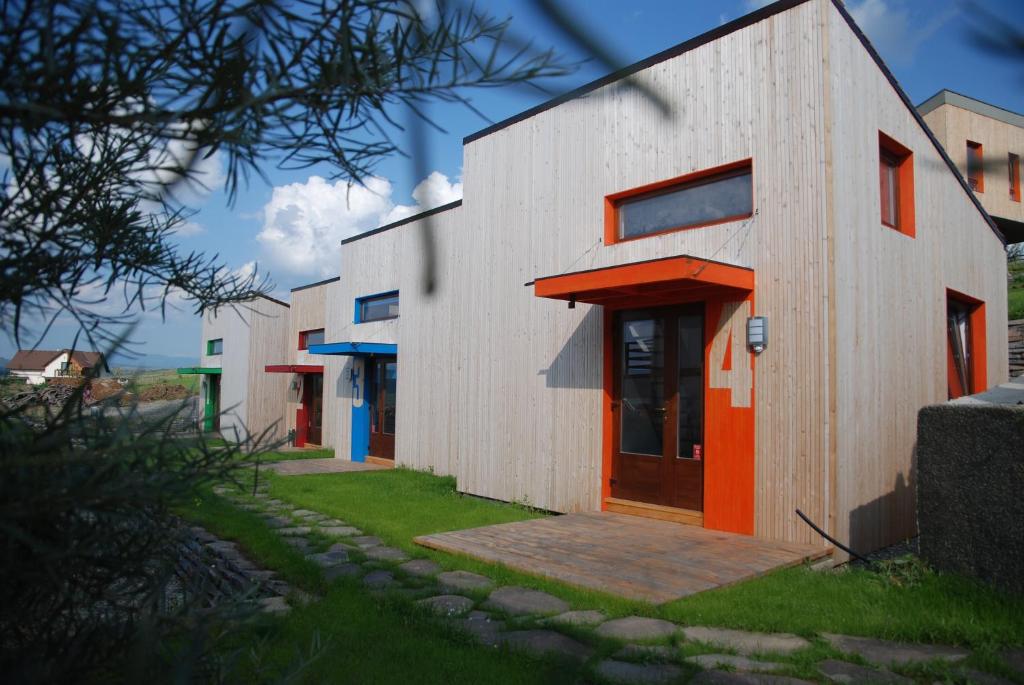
x=639, y=558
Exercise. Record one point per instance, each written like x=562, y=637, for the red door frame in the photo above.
x=302, y=413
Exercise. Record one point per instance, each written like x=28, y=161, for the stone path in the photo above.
x=304, y=467
x=628, y=650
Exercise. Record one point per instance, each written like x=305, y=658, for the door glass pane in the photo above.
x=317, y=402
x=691, y=383
x=390, y=384
x=958, y=326
x=643, y=387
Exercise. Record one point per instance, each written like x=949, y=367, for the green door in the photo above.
x=211, y=407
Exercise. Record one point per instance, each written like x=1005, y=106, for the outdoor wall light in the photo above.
x=757, y=334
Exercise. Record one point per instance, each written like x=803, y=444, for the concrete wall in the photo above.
x=970, y=477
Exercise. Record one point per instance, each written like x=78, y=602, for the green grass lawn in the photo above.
x=142, y=379
x=1016, y=292
x=400, y=504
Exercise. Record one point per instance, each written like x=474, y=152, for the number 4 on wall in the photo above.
x=730, y=365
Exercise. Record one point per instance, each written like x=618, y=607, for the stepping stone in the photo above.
x=638, y=674
x=884, y=652
x=299, y=513
x=736, y=663
x=637, y=628
x=980, y=678
x=341, y=531
x=332, y=522
x=279, y=587
x=545, y=643
x=727, y=678
x=364, y=541
x=447, y=605
x=845, y=672
x=518, y=601
x=481, y=627
x=464, y=580
x=578, y=618
x=202, y=535
x=250, y=507
x=647, y=653
x=277, y=522
x=274, y=503
x=379, y=580
x=274, y=605
x=746, y=642
x=294, y=531
x=326, y=559
x=1014, y=658
x=339, y=547
x=260, y=576
x=385, y=554
x=343, y=570
x=301, y=544
x=223, y=546
x=420, y=567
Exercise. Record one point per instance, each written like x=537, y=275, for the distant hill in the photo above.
x=151, y=361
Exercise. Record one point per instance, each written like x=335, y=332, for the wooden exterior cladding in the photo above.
x=252, y=400
x=308, y=312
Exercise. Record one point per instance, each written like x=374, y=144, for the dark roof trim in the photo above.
x=274, y=300
x=917, y=115
x=403, y=222
x=313, y=285
x=684, y=47
x=985, y=109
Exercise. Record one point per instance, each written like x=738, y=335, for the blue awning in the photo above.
x=355, y=349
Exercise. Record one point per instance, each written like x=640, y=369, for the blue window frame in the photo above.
x=380, y=307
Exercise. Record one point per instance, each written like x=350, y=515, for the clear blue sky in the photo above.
x=926, y=43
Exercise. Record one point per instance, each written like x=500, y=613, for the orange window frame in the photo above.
x=977, y=342
x=902, y=158
x=977, y=182
x=613, y=201
x=1014, y=163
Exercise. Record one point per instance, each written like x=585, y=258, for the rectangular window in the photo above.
x=896, y=185
x=1014, y=162
x=701, y=199
x=313, y=337
x=975, y=166
x=377, y=307
x=965, y=345
x=215, y=346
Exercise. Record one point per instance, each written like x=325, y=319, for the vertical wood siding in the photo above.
x=891, y=297
x=308, y=312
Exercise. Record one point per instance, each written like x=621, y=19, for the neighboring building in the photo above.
x=36, y=366
x=304, y=408
x=986, y=143
x=239, y=398
x=595, y=338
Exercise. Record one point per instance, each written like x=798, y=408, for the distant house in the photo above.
x=36, y=366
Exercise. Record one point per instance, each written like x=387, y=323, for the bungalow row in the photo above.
x=716, y=317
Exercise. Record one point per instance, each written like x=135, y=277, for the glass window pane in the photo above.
x=314, y=337
x=974, y=166
x=390, y=387
x=701, y=202
x=377, y=308
x=691, y=384
x=643, y=387
x=215, y=346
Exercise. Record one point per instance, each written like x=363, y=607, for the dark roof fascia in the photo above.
x=1007, y=116
x=318, y=283
x=274, y=300
x=403, y=222
x=917, y=116
x=682, y=48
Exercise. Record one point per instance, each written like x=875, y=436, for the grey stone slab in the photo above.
x=301, y=544
x=464, y=580
x=279, y=587
x=342, y=570
x=578, y=618
x=447, y=605
x=420, y=567
x=340, y=531
x=729, y=678
x=844, y=672
x=545, y=643
x=294, y=530
x=736, y=663
x=975, y=677
x=637, y=628
x=385, y=553
x=223, y=546
x=365, y=541
x=250, y=507
x=326, y=559
x=519, y=601
x=481, y=627
x=274, y=503
x=884, y=652
x=746, y=642
x=638, y=674
x=299, y=513
x=274, y=605
x=379, y=579
x=1014, y=658
x=647, y=653
x=332, y=522
x=277, y=522
x=339, y=547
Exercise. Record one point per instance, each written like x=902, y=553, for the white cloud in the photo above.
x=188, y=229
x=304, y=223
x=893, y=31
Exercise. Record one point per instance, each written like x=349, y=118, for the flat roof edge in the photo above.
x=986, y=109
x=402, y=222
x=657, y=58
x=313, y=285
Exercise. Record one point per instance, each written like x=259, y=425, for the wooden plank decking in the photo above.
x=639, y=558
